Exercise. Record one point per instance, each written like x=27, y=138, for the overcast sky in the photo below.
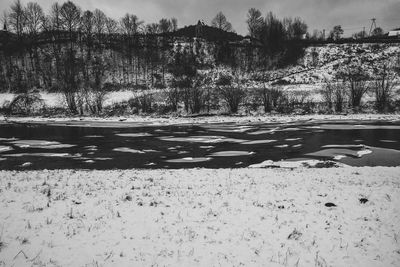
x=353, y=15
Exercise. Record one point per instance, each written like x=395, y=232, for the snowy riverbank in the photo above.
x=168, y=120
x=202, y=217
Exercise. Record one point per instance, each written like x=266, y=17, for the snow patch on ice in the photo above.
x=339, y=157
x=363, y=152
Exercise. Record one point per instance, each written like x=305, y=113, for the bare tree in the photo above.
x=231, y=91
x=174, y=24
x=111, y=26
x=165, y=25
x=356, y=76
x=386, y=80
x=377, y=32
x=221, y=22
x=99, y=20
x=69, y=82
x=46, y=23
x=131, y=24
x=337, y=32
x=94, y=92
x=340, y=96
x=87, y=23
x=17, y=19
x=299, y=28
x=254, y=22
x=70, y=16
x=34, y=17
x=55, y=17
x=152, y=28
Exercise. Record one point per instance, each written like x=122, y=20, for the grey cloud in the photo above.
x=319, y=14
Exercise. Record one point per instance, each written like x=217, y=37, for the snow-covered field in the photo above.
x=201, y=217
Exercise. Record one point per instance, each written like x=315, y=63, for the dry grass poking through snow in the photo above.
x=200, y=217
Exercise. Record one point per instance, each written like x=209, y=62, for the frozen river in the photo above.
x=104, y=145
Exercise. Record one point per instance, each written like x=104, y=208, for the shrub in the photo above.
x=357, y=90
x=26, y=104
x=233, y=96
x=271, y=97
x=94, y=100
x=328, y=95
x=172, y=98
x=117, y=109
x=296, y=101
x=355, y=76
x=144, y=103
x=252, y=101
x=224, y=79
x=197, y=99
x=340, y=96
x=162, y=109
x=384, y=86
x=334, y=96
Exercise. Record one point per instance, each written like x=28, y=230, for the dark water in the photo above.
x=124, y=146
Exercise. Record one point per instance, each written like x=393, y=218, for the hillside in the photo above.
x=186, y=64
x=321, y=63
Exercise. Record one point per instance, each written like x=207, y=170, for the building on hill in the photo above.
x=199, y=29
x=394, y=32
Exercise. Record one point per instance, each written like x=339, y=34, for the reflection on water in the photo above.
x=229, y=145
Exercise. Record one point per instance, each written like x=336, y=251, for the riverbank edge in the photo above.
x=168, y=120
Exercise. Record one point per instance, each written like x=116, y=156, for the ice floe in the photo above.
x=40, y=144
x=189, y=159
x=56, y=155
x=202, y=139
x=286, y=164
x=5, y=148
x=128, y=150
x=282, y=146
x=133, y=134
x=231, y=153
x=259, y=142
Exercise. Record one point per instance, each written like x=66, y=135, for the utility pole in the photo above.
x=373, y=25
